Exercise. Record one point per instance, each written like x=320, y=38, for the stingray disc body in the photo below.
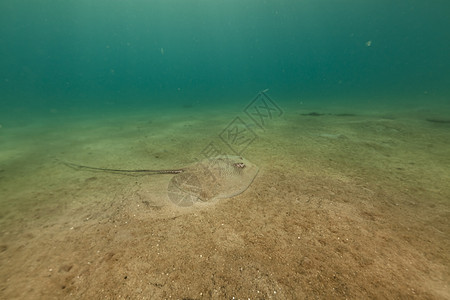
x=211, y=179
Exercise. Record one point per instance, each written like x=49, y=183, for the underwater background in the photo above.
x=115, y=55
x=335, y=115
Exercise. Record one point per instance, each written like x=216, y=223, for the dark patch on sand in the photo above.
x=316, y=114
x=440, y=121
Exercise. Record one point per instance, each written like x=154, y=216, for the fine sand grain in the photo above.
x=346, y=205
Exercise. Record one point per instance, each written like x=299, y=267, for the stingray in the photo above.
x=206, y=180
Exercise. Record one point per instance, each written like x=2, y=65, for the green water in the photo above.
x=116, y=55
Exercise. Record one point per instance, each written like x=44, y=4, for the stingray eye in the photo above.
x=239, y=165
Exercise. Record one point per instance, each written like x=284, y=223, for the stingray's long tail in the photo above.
x=147, y=172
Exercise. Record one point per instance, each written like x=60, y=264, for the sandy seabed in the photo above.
x=346, y=205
